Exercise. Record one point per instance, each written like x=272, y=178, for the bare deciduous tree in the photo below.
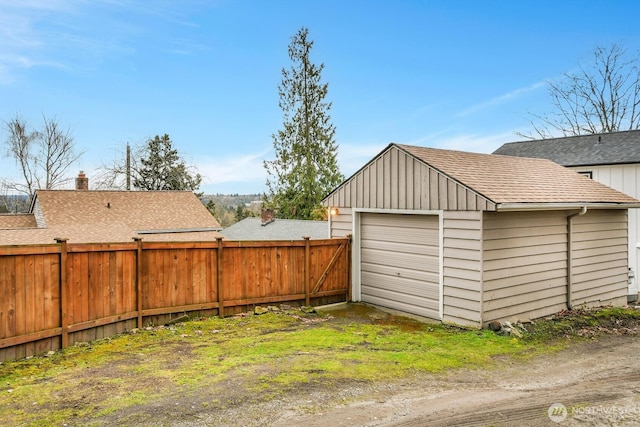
x=602, y=96
x=117, y=174
x=57, y=148
x=19, y=146
x=43, y=157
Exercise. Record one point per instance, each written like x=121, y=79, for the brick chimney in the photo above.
x=82, y=182
x=267, y=217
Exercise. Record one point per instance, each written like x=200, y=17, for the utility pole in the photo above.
x=128, y=172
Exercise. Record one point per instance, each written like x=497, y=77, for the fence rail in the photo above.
x=54, y=295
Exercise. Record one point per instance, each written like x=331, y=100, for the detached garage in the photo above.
x=471, y=238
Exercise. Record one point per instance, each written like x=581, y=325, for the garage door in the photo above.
x=400, y=262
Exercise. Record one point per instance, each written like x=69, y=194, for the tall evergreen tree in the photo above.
x=161, y=168
x=305, y=168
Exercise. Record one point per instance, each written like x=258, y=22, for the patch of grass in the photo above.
x=271, y=354
x=582, y=323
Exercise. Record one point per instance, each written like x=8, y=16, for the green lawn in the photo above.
x=264, y=355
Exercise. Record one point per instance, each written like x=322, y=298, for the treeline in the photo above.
x=13, y=203
x=231, y=208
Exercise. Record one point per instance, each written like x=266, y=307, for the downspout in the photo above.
x=582, y=211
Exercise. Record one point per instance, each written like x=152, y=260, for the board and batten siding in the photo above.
x=624, y=178
x=462, y=268
x=525, y=264
x=396, y=180
x=599, y=261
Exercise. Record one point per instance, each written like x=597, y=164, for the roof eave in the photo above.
x=179, y=230
x=510, y=207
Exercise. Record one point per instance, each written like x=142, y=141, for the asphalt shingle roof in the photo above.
x=280, y=229
x=140, y=210
x=507, y=179
x=116, y=216
x=25, y=220
x=585, y=150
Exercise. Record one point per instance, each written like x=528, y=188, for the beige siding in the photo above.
x=625, y=178
x=462, y=268
x=395, y=180
x=600, y=258
x=525, y=264
x=342, y=224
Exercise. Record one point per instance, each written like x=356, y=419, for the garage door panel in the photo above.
x=391, y=271
x=423, y=249
x=403, y=297
x=401, y=286
x=400, y=220
x=421, y=309
x=400, y=262
x=414, y=236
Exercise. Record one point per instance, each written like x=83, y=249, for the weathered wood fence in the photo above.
x=54, y=295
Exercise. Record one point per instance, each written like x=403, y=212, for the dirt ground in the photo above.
x=597, y=382
x=600, y=380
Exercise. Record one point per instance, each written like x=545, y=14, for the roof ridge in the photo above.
x=587, y=135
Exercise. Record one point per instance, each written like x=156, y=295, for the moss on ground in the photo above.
x=272, y=353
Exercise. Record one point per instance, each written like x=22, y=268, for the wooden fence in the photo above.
x=54, y=295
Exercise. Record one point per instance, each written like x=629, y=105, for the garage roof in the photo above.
x=448, y=180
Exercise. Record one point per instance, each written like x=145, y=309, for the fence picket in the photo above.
x=51, y=298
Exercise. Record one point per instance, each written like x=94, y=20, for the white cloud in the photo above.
x=233, y=168
x=501, y=99
x=23, y=41
x=352, y=156
x=432, y=139
x=476, y=143
x=66, y=33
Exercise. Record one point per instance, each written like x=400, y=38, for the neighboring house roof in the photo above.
x=583, y=150
x=140, y=210
x=115, y=216
x=279, y=229
x=510, y=182
x=23, y=220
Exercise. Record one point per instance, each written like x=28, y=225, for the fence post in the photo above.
x=64, y=300
x=307, y=270
x=138, y=241
x=219, y=277
x=348, y=255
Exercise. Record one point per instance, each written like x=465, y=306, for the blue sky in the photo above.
x=449, y=74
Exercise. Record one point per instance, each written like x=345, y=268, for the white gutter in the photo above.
x=582, y=211
x=517, y=206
